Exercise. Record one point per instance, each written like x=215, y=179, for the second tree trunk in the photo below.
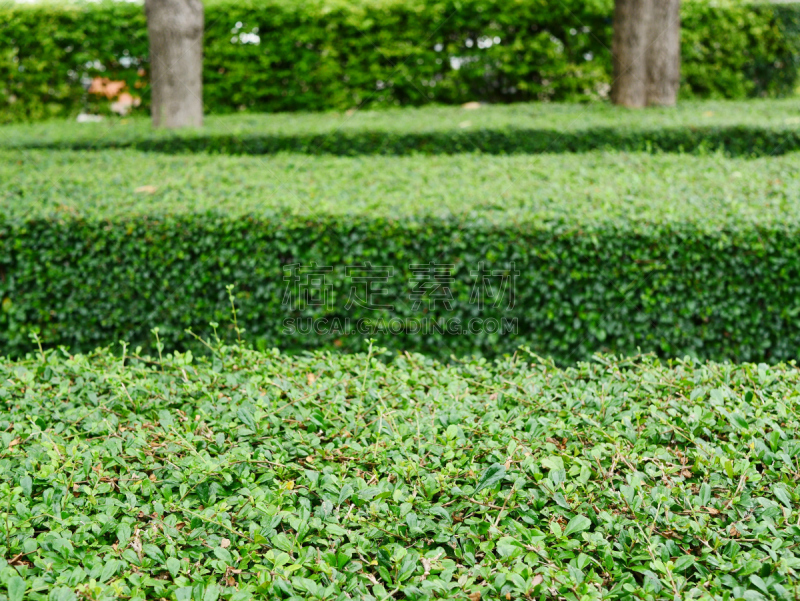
x=646, y=52
x=664, y=53
x=175, y=28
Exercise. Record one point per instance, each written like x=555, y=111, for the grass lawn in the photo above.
x=341, y=476
x=763, y=127
x=581, y=189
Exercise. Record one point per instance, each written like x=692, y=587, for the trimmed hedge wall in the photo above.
x=287, y=55
x=752, y=127
x=709, y=269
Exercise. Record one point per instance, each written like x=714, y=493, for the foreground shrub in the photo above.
x=337, y=477
x=668, y=253
x=285, y=55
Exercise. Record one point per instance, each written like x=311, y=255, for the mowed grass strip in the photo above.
x=596, y=187
x=753, y=127
x=257, y=475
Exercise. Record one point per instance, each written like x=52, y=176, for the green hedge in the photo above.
x=319, y=54
x=751, y=127
x=261, y=476
x=667, y=253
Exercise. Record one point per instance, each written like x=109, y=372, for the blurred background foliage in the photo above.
x=287, y=55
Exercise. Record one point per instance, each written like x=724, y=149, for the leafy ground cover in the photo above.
x=365, y=476
x=762, y=127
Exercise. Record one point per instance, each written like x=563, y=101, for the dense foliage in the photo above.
x=670, y=253
x=286, y=55
x=339, y=477
x=748, y=128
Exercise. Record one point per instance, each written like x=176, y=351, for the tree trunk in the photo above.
x=629, y=51
x=664, y=53
x=175, y=28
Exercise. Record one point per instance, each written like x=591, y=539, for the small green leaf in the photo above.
x=705, y=494
x=123, y=534
x=109, y=569
x=345, y=493
x=174, y=566
x=759, y=583
x=212, y=593
x=738, y=421
x=223, y=554
x=493, y=474
x=577, y=524
x=246, y=417
x=26, y=482
x=783, y=495
x=16, y=588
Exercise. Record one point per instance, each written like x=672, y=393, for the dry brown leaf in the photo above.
x=538, y=579
x=103, y=86
x=471, y=106
x=124, y=103
x=225, y=543
x=426, y=565
x=311, y=379
x=147, y=189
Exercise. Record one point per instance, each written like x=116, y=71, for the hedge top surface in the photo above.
x=778, y=114
x=596, y=187
x=340, y=476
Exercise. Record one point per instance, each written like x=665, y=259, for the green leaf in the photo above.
x=16, y=588
x=493, y=474
x=153, y=552
x=110, y=567
x=174, y=566
x=577, y=524
x=344, y=494
x=123, y=534
x=759, y=583
x=212, y=593
x=705, y=494
x=204, y=491
x=738, y=421
x=683, y=563
x=223, y=554
x=26, y=482
x=246, y=417
x=782, y=495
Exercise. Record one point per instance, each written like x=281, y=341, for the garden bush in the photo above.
x=286, y=55
x=257, y=475
x=668, y=253
x=748, y=128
